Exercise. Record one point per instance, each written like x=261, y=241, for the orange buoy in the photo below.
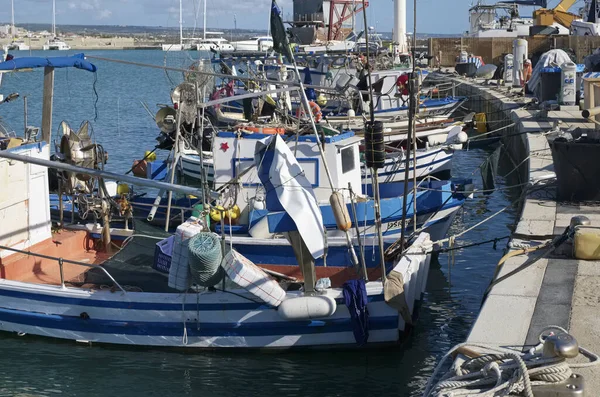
x=340, y=211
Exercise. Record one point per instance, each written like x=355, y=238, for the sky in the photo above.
x=433, y=16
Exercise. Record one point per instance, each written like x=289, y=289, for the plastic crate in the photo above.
x=162, y=254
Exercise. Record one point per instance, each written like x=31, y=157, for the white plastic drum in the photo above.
x=252, y=278
x=569, y=83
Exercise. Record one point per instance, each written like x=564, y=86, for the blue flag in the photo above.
x=280, y=40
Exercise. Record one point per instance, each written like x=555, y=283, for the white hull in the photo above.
x=17, y=47
x=175, y=47
x=253, y=45
x=214, y=47
x=56, y=46
x=234, y=319
x=431, y=161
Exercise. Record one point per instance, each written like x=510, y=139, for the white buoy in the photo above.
x=399, y=34
x=307, y=307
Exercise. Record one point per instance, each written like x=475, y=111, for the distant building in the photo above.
x=323, y=20
x=5, y=30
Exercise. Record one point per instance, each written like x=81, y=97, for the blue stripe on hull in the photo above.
x=146, y=305
x=147, y=328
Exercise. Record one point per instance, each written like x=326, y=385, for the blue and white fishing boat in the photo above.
x=53, y=284
x=55, y=291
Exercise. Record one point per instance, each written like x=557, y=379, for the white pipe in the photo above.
x=101, y=174
x=399, y=34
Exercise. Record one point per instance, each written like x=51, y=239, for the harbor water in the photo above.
x=111, y=100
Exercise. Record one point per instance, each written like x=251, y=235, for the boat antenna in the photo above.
x=412, y=110
x=374, y=148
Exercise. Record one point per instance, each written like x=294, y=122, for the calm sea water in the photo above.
x=36, y=366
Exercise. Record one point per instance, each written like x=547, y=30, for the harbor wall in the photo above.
x=556, y=289
x=493, y=49
x=498, y=108
x=82, y=42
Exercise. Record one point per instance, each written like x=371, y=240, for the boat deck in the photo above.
x=131, y=266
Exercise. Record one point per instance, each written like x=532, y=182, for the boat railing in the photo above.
x=61, y=262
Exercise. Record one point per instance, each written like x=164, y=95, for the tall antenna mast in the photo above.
x=204, y=23
x=53, y=18
x=12, y=25
x=181, y=23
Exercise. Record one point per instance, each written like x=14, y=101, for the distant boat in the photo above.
x=258, y=43
x=181, y=46
x=15, y=45
x=55, y=43
x=214, y=44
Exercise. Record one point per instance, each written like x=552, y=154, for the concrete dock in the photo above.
x=555, y=290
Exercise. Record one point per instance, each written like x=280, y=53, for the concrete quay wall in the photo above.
x=557, y=290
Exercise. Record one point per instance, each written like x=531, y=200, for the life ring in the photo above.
x=261, y=130
x=315, y=109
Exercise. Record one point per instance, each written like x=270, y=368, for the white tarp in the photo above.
x=550, y=58
x=294, y=192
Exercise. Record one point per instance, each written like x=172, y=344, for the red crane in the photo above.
x=339, y=12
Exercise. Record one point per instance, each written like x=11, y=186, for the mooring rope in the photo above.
x=502, y=370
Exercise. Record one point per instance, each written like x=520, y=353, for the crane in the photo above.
x=559, y=14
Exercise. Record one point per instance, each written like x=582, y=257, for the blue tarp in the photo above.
x=355, y=298
x=76, y=61
x=310, y=92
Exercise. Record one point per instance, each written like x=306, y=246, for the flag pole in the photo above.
x=284, y=48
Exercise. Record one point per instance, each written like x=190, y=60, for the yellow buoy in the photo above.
x=150, y=156
x=122, y=188
x=586, y=243
x=216, y=213
x=340, y=211
x=481, y=122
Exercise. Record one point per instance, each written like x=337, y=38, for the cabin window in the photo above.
x=348, y=159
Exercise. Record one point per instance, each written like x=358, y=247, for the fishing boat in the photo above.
x=52, y=283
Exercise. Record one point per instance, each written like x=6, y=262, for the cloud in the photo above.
x=93, y=7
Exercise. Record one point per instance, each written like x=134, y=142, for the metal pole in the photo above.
x=174, y=165
x=48, y=97
x=203, y=176
x=377, y=203
x=102, y=174
x=25, y=113
x=414, y=123
x=60, y=202
x=357, y=229
x=62, y=273
x=410, y=131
